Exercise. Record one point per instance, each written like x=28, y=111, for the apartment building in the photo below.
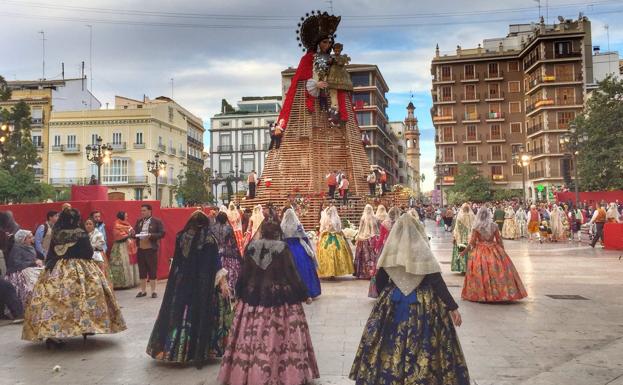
x=137, y=130
x=239, y=140
x=370, y=104
x=520, y=90
x=43, y=97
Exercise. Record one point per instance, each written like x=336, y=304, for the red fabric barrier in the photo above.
x=613, y=236
x=89, y=193
x=591, y=198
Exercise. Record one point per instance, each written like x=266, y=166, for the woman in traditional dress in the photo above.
x=335, y=257
x=365, y=246
x=521, y=222
x=269, y=341
x=23, y=267
x=461, y=232
x=491, y=275
x=410, y=335
x=255, y=221
x=384, y=230
x=195, y=315
x=123, y=267
x=97, y=242
x=381, y=213
x=556, y=223
x=235, y=220
x=302, y=251
x=534, y=221
x=612, y=215
x=72, y=297
x=575, y=223
x=509, y=229
x=227, y=248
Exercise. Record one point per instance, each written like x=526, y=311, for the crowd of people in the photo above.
x=239, y=278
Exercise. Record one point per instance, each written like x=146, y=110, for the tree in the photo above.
x=600, y=156
x=505, y=194
x=5, y=92
x=193, y=186
x=18, y=152
x=470, y=184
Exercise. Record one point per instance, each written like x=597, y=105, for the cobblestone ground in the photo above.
x=538, y=341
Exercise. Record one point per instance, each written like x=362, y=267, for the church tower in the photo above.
x=412, y=136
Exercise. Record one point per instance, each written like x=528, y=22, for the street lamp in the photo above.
x=98, y=154
x=157, y=168
x=6, y=129
x=442, y=170
x=571, y=142
x=522, y=159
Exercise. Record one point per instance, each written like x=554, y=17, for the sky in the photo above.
x=233, y=48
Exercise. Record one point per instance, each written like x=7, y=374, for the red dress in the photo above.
x=491, y=275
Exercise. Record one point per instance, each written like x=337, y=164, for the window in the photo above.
x=361, y=99
x=364, y=118
x=57, y=140
x=160, y=141
x=472, y=153
x=493, y=69
x=515, y=127
x=170, y=114
x=471, y=111
x=565, y=96
x=563, y=72
x=71, y=141
x=562, y=48
x=496, y=171
x=514, y=87
x=138, y=194
x=225, y=139
x=471, y=132
x=360, y=79
x=513, y=66
x=247, y=165
x=248, y=122
x=36, y=115
x=224, y=124
x=496, y=131
x=445, y=111
x=517, y=169
x=514, y=107
x=470, y=92
x=139, y=138
x=448, y=154
x=470, y=71
x=116, y=171
x=564, y=118
x=94, y=139
x=448, y=134
x=446, y=93
x=494, y=91
x=171, y=181
x=446, y=73
x=225, y=166
x=496, y=152
x=116, y=138
x=495, y=110
x=36, y=140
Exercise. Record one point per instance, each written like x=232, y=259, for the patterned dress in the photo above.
x=491, y=275
x=365, y=258
x=194, y=318
x=335, y=257
x=459, y=263
x=509, y=229
x=269, y=341
x=124, y=273
x=228, y=251
x=410, y=339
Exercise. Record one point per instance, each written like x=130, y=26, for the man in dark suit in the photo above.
x=149, y=231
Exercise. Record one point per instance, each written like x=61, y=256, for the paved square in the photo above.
x=538, y=341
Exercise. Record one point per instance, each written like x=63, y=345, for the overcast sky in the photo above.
x=228, y=49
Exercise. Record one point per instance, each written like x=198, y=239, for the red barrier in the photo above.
x=613, y=236
x=89, y=193
x=592, y=198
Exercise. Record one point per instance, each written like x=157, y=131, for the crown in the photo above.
x=316, y=27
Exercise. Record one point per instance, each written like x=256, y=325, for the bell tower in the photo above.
x=412, y=136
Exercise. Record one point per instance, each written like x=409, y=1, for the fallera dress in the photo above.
x=228, y=251
x=509, y=229
x=302, y=252
x=123, y=270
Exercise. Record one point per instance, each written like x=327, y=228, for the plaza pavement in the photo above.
x=538, y=341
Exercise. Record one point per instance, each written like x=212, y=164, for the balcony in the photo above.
x=534, y=129
x=471, y=118
x=247, y=147
x=38, y=173
x=67, y=181
x=553, y=80
x=495, y=117
x=195, y=159
x=447, y=160
x=500, y=158
x=162, y=148
x=565, y=55
x=137, y=179
x=496, y=138
x=71, y=149
x=172, y=151
x=57, y=148
x=499, y=178
x=536, y=174
x=468, y=78
x=444, y=79
x=467, y=139
x=490, y=76
x=138, y=146
x=183, y=153
x=470, y=98
x=472, y=159
x=445, y=140
x=551, y=103
x=448, y=119
x=538, y=151
x=194, y=141
x=39, y=146
x=119, y=147
x=36, y=122
x=495, y=97
x=444, y=99
x=265, y=146
x=225, y=148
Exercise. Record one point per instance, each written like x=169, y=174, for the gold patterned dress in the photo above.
x=335, y=257
x=72, y=296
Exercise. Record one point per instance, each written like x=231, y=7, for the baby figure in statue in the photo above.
x=339, y=80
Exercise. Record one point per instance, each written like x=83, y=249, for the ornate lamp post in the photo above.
x=522, y=159
x=98, y=154
x=571, y=142
x=157, y=168
x=442, y=170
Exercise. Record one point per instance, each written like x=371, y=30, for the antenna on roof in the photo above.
x=42, y=54
x=539, y=2
x=171, y=88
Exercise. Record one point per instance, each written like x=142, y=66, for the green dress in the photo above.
x=459, y=263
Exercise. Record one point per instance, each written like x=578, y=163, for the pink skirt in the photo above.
x=269, y=345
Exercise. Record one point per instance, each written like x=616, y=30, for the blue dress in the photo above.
x=305, y=265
